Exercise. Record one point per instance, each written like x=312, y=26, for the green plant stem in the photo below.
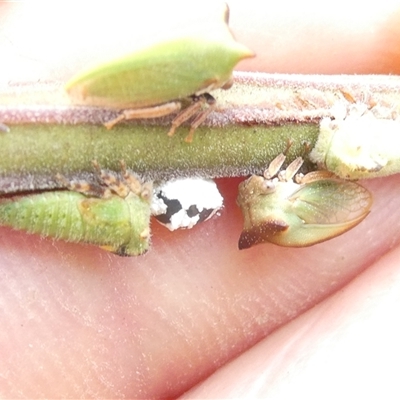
x=254, y=121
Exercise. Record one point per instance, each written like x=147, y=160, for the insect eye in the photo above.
x=269, y=185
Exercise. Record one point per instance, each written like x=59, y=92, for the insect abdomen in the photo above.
x=53, y=214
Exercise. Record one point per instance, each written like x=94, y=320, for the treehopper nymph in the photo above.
x=317, y=207
x=117, y=220
x=153, y=82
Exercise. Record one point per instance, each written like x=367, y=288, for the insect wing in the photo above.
x=167, y=71
x=327, y=208
x=331, y=201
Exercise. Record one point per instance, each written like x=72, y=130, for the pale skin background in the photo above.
x=79, y=322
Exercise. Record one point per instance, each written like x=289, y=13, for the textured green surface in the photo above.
x=166, y=71
x=31, y=155
x=120, y=225
x=293, y=215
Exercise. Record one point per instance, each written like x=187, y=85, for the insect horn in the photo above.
x=260, y=233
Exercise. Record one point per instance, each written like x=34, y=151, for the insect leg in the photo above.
x=284, y=175
x=109, y=184
x=129, y=184
x=148, y=112
x=111, y=181
x=211, y=102
x=144, y=190
x=292, y=169
x=194, y=108
x=84, y=187
x=274, y=166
